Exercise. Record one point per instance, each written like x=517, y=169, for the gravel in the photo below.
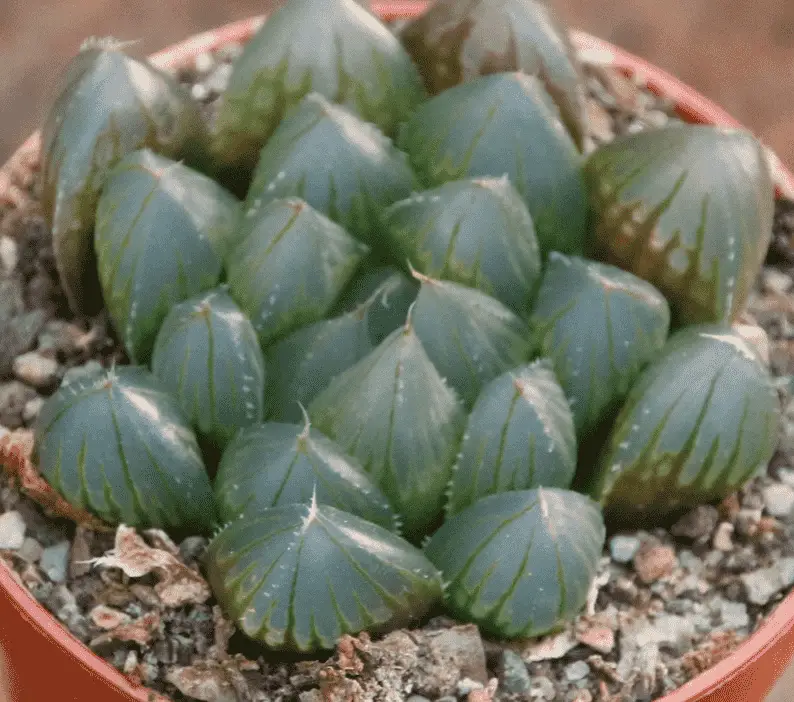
x=668, y=603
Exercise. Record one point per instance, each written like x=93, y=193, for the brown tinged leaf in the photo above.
x=178, y=585
x=211, y=681
x=15, y=451
x=140, y=631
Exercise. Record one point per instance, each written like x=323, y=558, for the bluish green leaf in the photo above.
x=520, y=435
x=343, y=167
x=161, y=232
x=207, y=355
x=520, y=564
x=114, y=443
x=477, y=232
x=276, y=464
x=290, y=267
x=601, y=326
x=688, y=208
x=298, y=577
x=394, y=413
x=504, y=124
x=108, y=105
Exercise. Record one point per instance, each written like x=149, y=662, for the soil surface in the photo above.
x=666, y=605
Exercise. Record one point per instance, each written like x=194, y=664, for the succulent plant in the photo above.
x=519, y=435
x=601, y=326
x=342, y=166
x=108, y=105
x=505, y=124
x=470, y=337
x=396, y=415
x=698, y=424
x=290, y=266
x=455, y=41
x=114, y=443
x=689, y=208
x=162, y=230
x=300, y=576
x=520, y=564
x=330, y=47
x=207, y=355
x=275, y=464
x=385, y=292
x=431, y=340
x=477, y=232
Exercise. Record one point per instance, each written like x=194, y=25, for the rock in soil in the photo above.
x=12, y=531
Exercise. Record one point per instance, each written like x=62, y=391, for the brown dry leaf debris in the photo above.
x=16, y=449
x=140, y=631
x=178, y=585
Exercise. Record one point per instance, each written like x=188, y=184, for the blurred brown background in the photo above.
x=739, y=53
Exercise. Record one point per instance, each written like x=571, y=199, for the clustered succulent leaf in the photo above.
x=115, y=443
x=504, y=124
x=459, y=339
x=300, y=576
x=330, y=47
x=276, y=464
x=207, y=355
x=162, y=231
x=109, y=105
x=456, y=41
x=690, y=210
x=342, y=166
x=477, y=232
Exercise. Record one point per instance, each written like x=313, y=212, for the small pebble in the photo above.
x=515, y=677
x=14, y=396
x=35, y=370
x=12, y=531
x=599, y=638
x=466, y=686
x=654, y=561
x=30, y=551
x=623, y=548
x=55, y=561
x=32, y=409
x=779, y=499
x=696, y=524
x=763, y=584
x=734, y=615
x=576, y=671
x=9, y=254
x=776, y=281
x=199, y=92
x=218, y=80
x=722, y=537
x=204, y=62
x=542, y=688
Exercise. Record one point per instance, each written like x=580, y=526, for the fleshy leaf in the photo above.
x=520, y=564
x=331, y=47
x=290, y=266
x=343, y=167
x=394, y=413
x=161, y=232
x=280, y=464
x=504, y=124
x=455, y=41
x=600, y=326
x=697, y=425
x=688, y=208
x=477, y=232
x=117, y=445
x=471, y=338
x=207, y=355
x=298, y=577
x=387, y=293
x=520, y=435
x=108, y=105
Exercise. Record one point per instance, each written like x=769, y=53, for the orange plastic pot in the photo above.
x=44, y=662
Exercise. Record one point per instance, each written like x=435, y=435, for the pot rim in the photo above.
x=689, y=104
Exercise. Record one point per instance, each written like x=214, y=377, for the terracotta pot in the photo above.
x=44, y=662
